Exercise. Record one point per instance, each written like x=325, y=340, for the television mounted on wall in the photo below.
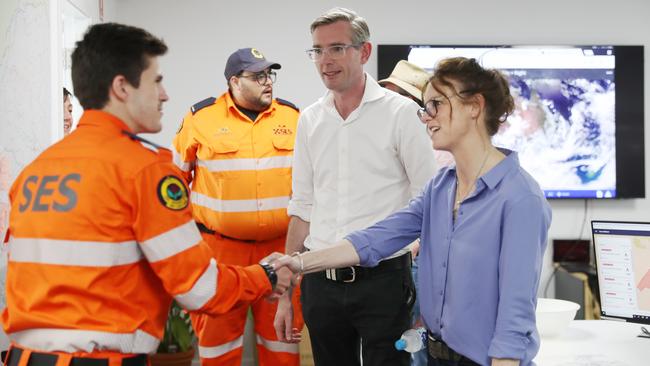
x=578, y=124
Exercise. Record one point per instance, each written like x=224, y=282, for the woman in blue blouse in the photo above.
x=483, y=226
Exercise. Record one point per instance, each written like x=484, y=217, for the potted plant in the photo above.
x=175, y=348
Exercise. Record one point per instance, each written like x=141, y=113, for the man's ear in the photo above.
x=234, y=82
x=119, y=88
x=366, y=50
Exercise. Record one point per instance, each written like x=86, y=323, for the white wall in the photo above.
x=25, y=79
x=202, y=33
x=91, y=9
x=31, y=101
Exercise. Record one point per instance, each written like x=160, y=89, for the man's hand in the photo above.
x=285, y=281
x=414, y=247
x=284, y=320
x=271, y=257
x=288, y=261
x=285, y=278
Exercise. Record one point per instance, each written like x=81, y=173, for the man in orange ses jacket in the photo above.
x=102, y=235
x=237, y=150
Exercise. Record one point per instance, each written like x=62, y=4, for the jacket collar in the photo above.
x=96, y=117
x=232, y=107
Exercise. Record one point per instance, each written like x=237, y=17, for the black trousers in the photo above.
x=372, y=311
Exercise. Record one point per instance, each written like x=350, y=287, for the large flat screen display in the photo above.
x=578, y=120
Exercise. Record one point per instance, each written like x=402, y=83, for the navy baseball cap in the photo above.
x=247, y=59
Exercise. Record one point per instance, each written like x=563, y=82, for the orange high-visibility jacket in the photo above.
x=102, y=237
x=241, y=168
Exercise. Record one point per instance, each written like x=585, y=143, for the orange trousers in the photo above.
x=221, y=337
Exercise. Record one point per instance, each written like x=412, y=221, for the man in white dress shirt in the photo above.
x=360, y=154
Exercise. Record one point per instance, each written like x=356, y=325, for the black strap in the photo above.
x=207, y=230
x=439, y=350
x=143, y=140
x=355, y=273
x=204, y=229
x=49, y=359
x=202, y=104
x=287, y=103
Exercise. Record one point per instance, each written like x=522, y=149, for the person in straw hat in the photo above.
x=409, y=80
x=406, y=79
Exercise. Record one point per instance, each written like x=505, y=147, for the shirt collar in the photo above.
x=96, y=117
x=371, y=92
x=496, y=174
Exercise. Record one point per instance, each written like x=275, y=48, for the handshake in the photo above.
x=288, y=269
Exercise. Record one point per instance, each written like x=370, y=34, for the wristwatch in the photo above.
x=270, y=273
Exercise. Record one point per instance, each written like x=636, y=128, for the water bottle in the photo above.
x=412, y=340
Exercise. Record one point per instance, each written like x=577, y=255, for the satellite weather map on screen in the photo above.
x=563, y=124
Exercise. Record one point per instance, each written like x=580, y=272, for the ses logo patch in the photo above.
x=173, y=193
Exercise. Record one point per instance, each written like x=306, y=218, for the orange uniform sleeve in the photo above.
x=185, y=147
x=171, y=242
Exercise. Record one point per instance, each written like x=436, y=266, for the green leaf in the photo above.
x=181, y=333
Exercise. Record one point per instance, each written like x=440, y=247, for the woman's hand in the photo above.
x=291, y=262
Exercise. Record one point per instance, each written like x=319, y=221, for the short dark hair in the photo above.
x=108, y=50
x=66, y=93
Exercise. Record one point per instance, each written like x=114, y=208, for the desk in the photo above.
x=596, y=343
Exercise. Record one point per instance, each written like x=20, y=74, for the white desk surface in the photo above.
x=596, y=343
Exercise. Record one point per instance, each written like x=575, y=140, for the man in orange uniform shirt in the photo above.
x=237, y=150
x=102, y=236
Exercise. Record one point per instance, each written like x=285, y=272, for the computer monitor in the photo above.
x=623, y=264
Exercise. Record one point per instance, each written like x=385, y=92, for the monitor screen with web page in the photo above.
x=622, y=251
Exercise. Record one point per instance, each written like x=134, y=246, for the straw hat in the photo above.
x=409, y=77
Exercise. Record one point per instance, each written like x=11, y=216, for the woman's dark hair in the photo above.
x=66, y=93
x=474, y=79
x=108, y=50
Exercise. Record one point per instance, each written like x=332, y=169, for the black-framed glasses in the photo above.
x=430, y=108
x=262, y=77
x=334, y=52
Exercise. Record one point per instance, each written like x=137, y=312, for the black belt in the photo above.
x=441, y=351
x=205, y=229
x=356, y=273
x=49, y=359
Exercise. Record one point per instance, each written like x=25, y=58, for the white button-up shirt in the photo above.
x=349, y=174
